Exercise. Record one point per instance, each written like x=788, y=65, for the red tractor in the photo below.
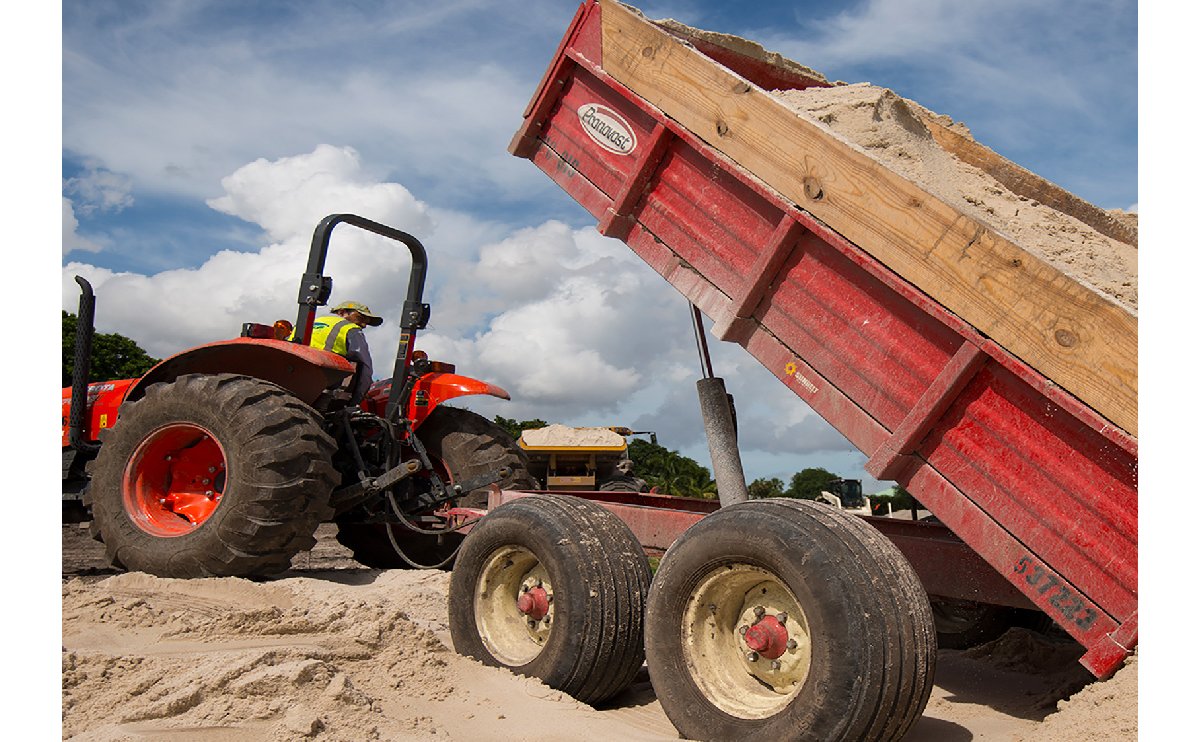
x=223, y=460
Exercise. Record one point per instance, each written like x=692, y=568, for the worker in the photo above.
x=342, y=333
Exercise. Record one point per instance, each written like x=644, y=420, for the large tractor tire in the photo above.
x=461, y=445
x=553, y=587
x=211, y=475
x=788, y=620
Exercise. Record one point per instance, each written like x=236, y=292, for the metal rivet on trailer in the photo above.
x=208, y=493
x=752, y=656
x=203, y=481
x=212, y=469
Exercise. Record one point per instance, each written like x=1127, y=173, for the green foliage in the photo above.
x=900, y=499
x=808, y=483
x=114, y=356
x=671, y=472
x=761, y=488
x=514, y=428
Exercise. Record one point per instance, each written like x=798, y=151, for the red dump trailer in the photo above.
x=1034, y=490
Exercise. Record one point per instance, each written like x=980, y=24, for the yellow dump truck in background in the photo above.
x=585, y=459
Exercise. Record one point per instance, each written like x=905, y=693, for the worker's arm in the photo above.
x=357, y=351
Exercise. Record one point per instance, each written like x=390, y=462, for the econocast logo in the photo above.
x=606, y=127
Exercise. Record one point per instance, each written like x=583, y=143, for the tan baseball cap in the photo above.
x=372, y=319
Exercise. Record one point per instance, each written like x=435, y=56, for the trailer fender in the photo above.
x=301, y=369
x=435, y=388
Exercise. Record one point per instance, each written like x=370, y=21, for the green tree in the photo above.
x=671, y=472
x=761, y=488
x=514, y=428
x=900, y=499
x=113, y=356
x=808, y=483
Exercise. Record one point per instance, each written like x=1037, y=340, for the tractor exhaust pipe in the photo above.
x=84, y=329
x=720, y=426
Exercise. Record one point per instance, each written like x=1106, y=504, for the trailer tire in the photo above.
x=583, y=633
x=259, y=451
x=853, y=658
x=461, y=445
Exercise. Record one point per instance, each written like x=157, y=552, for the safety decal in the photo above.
x=606, y=128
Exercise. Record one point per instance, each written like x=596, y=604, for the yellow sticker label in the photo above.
x=104, y=421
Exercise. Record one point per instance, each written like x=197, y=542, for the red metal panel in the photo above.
x=1041, y=474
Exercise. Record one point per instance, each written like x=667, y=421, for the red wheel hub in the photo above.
x=174, y=480
x=534, y=603
x=768, y=637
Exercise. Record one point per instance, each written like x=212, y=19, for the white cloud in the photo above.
x=97, y=189
x=71, y=239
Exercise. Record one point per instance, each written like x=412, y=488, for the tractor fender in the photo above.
x=434, y=388
x=303, y=370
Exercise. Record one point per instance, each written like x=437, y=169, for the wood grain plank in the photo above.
x=1079, y=339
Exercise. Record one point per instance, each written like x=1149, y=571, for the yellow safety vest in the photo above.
x=330, y=333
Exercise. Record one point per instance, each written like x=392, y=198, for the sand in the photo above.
x=334, y=651
x=895, y=132
x=563, y=435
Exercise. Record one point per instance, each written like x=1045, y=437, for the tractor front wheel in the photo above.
x=211, y=475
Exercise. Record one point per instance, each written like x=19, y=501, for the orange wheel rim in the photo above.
x=175, y=480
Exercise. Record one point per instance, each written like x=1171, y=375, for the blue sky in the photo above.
x=202, y=141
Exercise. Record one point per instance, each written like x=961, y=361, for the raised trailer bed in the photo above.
x=1001, y=393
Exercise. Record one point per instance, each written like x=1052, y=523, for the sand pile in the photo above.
x=563, y=435
x=894, y=132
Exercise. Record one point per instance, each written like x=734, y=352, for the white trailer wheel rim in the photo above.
x=509, y=635
x=724, y=601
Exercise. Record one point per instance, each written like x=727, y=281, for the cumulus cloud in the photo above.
x=71, y=239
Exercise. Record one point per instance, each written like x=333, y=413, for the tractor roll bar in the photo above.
x=315, y=288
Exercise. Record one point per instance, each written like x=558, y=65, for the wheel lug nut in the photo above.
x=792, y=644
x=752, y=656
x=547, y=620
x=759, y=611
x=743, y=629
x=775, y=665
x=781, y=618
x=532, y=624
x=524, y=588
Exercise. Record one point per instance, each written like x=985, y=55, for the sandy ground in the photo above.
x=334, y=651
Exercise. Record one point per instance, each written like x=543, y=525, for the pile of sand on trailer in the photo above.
x=892, y=131
x=562, y=435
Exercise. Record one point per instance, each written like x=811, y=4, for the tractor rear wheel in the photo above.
x=788, y=620
x=211, y=475
x=461, y=445
x=553, y=587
